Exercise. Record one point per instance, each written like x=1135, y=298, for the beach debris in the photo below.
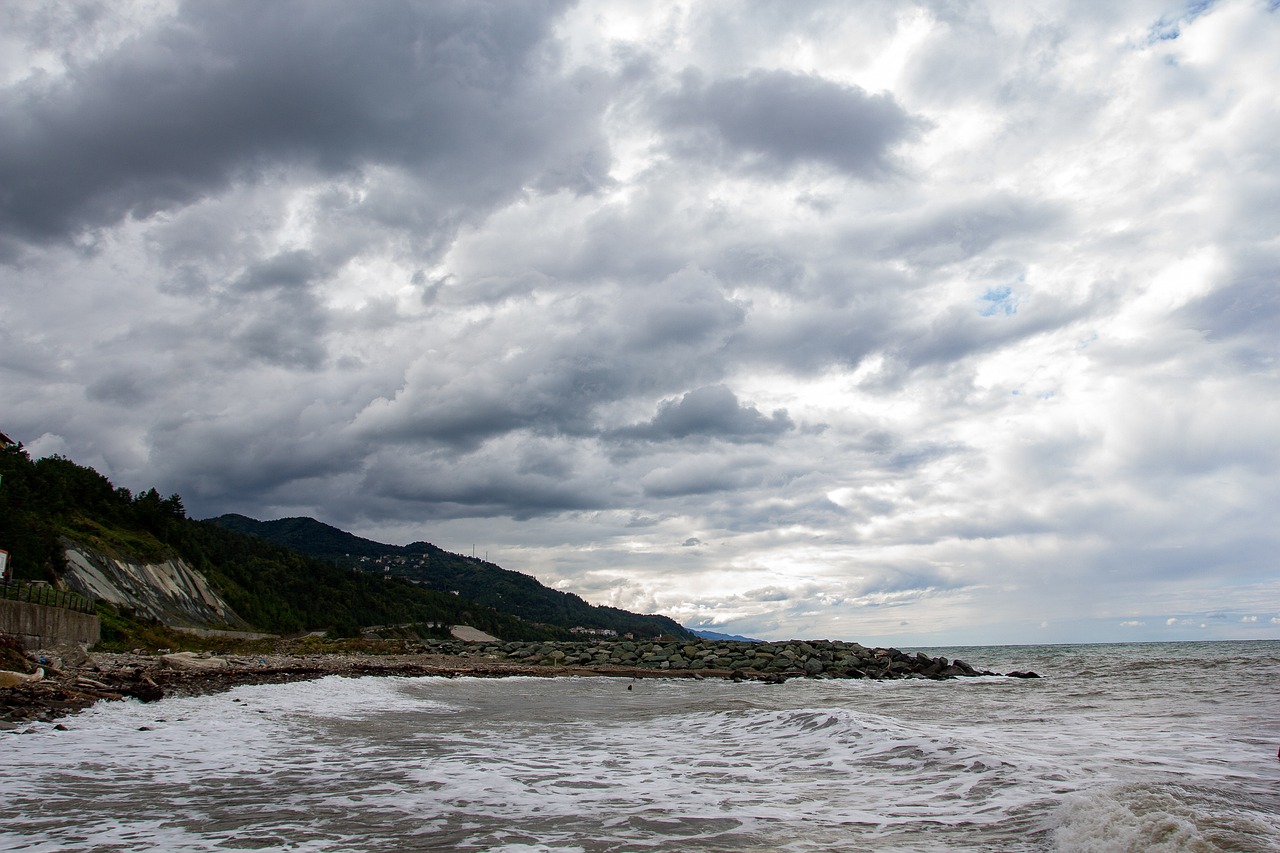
x=13, y=679
x=144, y=689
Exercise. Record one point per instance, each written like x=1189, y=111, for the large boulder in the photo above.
x=471, y=635
x=190, y=661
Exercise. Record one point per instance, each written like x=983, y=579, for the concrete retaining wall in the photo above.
x=40, y=627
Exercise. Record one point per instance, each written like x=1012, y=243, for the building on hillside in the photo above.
x=595, y=632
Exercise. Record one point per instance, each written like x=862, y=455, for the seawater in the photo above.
x=1139, y=747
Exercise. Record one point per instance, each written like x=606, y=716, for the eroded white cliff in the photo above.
x=169, y=591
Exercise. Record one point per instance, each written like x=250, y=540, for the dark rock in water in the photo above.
x=145, y=690
x=1023, y=675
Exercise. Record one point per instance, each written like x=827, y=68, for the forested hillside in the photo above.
x=53, y=496
x=271, y=587
x=480, y=581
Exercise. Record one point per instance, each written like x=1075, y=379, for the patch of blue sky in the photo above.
x=1196, y=9
x=1169, y=28
x=999, y=302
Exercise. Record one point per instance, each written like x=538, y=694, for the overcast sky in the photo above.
x=950, y=322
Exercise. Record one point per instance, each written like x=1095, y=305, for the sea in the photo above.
x=1127, y=747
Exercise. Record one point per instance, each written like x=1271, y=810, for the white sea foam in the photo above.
x=1162, y=818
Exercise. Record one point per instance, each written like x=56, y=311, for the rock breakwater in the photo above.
x=771, y=661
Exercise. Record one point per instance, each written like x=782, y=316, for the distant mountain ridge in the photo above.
x=434, y=568
x=723, y=638
x=305, y=535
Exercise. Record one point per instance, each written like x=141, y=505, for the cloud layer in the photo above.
x=924, y=324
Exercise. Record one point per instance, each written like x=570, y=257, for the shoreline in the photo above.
x=73, y=679
x=111, y=677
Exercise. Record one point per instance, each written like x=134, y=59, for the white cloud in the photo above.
x=559, y=280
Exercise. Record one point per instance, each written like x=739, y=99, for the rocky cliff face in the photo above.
x=171, y=591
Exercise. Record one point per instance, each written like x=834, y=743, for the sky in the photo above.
x=920, y=323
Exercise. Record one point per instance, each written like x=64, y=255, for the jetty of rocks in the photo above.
x=794, y=659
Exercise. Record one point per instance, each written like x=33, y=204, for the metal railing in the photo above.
x=42, y=593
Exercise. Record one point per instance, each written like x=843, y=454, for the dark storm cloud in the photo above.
x=652, y=340
x=286, y=333
x=245, y=459
x=779, y=119
x=413, y=487
x=455, y=416
x=272, y=312
x=286, y=270
x=120, y=389
x=772, y=266
x=450, y=91
x=687, y=309
x=553, y=390
x=702, y=475
x=817, y=333
x=711, y=412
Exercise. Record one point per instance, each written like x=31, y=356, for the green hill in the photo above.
x=271, y=587
x=434, y=568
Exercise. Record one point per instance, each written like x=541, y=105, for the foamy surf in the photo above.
x=1163, y=818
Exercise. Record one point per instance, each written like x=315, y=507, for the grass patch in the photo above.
x=119, y=544
x=124, y=632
